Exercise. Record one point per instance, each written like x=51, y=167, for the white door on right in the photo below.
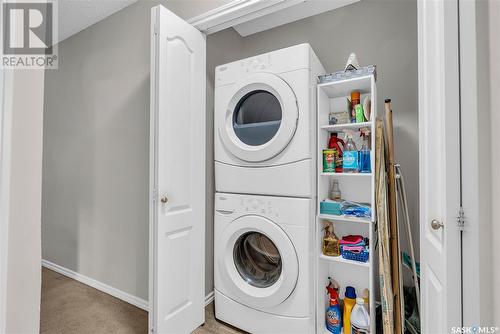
x=439, y=127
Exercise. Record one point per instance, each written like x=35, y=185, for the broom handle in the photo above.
x=393, y=218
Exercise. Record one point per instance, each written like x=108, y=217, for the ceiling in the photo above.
x=76, y=15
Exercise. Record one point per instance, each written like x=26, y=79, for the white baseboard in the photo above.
x=136, y=301
x=209, y=298
x=126, y=297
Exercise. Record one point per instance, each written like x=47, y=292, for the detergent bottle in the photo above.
x=334, y=144
x=360, y=319
x=350, y=156
x=349, y=302
x=333, y=316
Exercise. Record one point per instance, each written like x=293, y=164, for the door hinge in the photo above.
x=461, y=219
x=152, y=330
x=155, y=30
x=154, y=195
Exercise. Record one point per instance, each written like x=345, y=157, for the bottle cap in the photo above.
x=350, y=292
x=360, y=301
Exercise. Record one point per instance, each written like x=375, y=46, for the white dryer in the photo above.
x=263, y=263
x=265, y=109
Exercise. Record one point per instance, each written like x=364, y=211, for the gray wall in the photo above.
x=94, y=217
x=383, y=33
x=96, y=150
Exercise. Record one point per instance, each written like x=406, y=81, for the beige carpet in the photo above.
x=69, y=306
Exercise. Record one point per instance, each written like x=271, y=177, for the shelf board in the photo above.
x=346, y=126
x=343, y=88
x=340, y=259
x=347, y=174
x=344, y=218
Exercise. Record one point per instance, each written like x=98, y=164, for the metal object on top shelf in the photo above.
x=343, y=75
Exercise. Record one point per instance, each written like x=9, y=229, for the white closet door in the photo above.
x=439, y=165
x=177, y=214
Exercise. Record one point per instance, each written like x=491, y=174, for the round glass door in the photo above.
x=261, y=118
x=257, y=259
x=257, y=118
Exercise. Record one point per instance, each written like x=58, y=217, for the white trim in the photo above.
x=476, y=162
x=6, y=84
x=4, y=189
x=237, y=12
x=126, y=297
x=252, y=16
x=209, y=298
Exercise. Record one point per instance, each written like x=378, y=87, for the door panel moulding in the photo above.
x=248, y=17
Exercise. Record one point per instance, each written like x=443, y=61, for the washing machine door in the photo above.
x=259, y=266
x=260, y=119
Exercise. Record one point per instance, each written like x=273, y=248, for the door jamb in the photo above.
x=475, y=162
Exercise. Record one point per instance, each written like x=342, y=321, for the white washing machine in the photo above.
x=265, y=114
x=263, y=263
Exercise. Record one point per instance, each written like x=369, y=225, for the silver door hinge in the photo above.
x=461, y=219
x=154, y=195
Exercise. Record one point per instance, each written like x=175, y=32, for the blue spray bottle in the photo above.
x=364, y=153
x=333, y=315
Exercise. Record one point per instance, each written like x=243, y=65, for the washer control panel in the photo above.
x=244, y=205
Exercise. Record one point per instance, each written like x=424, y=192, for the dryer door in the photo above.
x=260, y=265
x=260, y=119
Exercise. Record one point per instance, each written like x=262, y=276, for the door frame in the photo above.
x=475, y=101
x=473, y=217
x=5, y=139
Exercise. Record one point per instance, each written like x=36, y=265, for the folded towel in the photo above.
x=351, y=239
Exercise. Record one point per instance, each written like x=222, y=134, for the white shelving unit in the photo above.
x=358, y=187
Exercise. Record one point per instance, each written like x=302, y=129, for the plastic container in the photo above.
x=330, y=241
x=359, y=257
x=333, y=144
x=330, y=208
x=360, y=318
x=333, y=316
x=349, y=302
x=364, y=154
x=350, y=160
x=329, y=160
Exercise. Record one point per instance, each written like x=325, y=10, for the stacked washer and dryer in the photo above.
x=265, y=180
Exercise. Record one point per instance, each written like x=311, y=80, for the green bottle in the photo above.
x=360, y=116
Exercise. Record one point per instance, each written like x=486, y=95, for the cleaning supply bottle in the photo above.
x=364, y=153
x=333, y=316
x=350, y=156
x=360, y=319
x=335, y=194
x=349, y=302
x=366, y=298
x=331, y=244
x=334, y=144
x=355, y=100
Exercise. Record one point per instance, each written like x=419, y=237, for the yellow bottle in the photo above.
x=349, y=302
x=366, y=298
x=331, y=245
